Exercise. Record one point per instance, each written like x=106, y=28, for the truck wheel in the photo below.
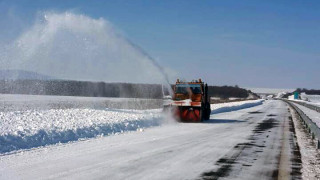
x=208, y=112
x=202, y=114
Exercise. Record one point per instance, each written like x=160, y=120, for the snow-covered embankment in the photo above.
x=33, y=128
x=233, y=106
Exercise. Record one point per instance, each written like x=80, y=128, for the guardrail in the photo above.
x=310, y=106
x=312, y=128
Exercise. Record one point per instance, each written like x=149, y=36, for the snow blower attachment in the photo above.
x=190, y=102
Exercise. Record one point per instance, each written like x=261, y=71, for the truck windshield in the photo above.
x=184, y=88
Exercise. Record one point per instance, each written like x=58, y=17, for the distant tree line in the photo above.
x=227, y=91
x=102, y=89
x=308, y=91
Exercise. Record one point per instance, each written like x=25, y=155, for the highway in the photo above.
x=253, y=143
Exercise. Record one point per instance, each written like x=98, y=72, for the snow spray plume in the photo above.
x=70, y=46
x=167, y=82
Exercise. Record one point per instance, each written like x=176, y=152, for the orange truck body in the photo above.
x=190, y=102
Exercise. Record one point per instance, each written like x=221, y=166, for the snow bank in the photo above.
x=233, y=106
x=33, y=128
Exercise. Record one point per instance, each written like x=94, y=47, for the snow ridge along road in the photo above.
x=245, y=144
x=28, y=129
x=233, y=106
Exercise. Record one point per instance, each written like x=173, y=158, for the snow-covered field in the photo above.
x=16, y=102
x=269, y=90
x=313, y=99
x=309, y=99
x=32, y=121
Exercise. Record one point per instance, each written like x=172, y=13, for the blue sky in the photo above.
x=249, y=43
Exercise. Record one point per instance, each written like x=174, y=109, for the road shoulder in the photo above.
x=310, y=156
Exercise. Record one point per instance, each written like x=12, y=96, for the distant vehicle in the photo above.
x=190, y=102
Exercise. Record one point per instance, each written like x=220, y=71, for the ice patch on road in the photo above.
x=33, y=128
x=233, y=106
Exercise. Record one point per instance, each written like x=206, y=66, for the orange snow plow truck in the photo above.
x=190, y=102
